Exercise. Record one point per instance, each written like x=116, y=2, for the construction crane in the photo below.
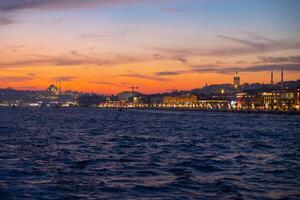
x=133, y=88
x=173, y=90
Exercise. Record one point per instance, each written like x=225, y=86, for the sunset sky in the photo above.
x=106, y=46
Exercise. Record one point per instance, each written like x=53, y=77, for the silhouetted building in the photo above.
x=272, y=78
x=282, y=79
x=128, y=96
x=90, y=100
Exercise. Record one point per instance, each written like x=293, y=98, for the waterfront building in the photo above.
x=213, y=104
x=283, y=100
x=289, y=99
x=156, y=99
x=275, y=100
x=182, y=99
x=246, y=101
x=140, y=99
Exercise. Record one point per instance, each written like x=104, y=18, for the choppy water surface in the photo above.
x=92, y=154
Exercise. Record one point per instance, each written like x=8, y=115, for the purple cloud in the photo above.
x=255, y=68
x=12, y=5
x=278, y=59
x=72, y=59
x=246, y=46
x=6, y=21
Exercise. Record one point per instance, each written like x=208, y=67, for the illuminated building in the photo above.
x=53, y=90
x=137, y=100
x=236, y=80
x=248, y=101
x=213, y=104
x=276, y=100
x=183, y=99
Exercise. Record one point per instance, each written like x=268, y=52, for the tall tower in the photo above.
x=236, y=80
x=59, y=88
x=272, y=77
x=281, y=78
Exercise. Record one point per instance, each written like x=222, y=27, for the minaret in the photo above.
x=272, y=77
x=282, y=78
x=59, y=87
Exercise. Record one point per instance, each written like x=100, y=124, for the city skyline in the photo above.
x=108, y=46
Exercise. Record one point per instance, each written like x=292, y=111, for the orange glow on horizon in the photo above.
x=104, y=49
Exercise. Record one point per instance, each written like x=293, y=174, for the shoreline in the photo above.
x=212, y=110
x=282, y=112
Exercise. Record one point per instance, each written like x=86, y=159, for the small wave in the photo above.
x=91, y=153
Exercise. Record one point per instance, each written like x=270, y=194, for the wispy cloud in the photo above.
x=172, y=9
x=15, y=79
x=278, y=59
x=230, y=70
x=171, y=73
x=95, y=35
x=12, y=5
x=143, y=76
x=64, y=78
x=73, y=58
x=256, y=68
x=14, y=47
x=106, y=83
x=258, y=44
x=103, y=35
x=6, y=21
x=248, y=43
x=256, y=36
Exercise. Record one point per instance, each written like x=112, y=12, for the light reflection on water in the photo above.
x=91, y=153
